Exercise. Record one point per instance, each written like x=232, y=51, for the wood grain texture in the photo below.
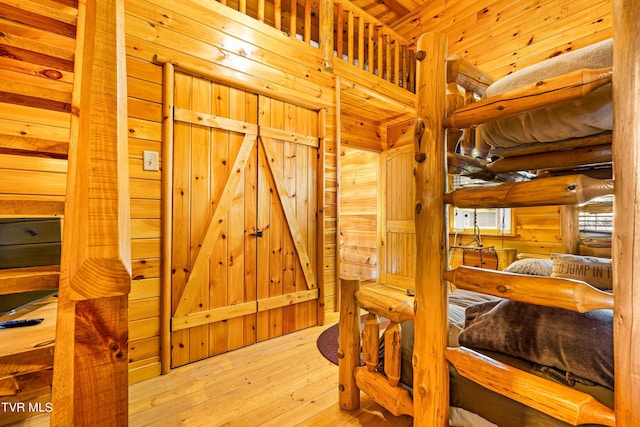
x=92, y=330
x=557, y=400
x=548, y=291
x=431, y=375
x=625, y=238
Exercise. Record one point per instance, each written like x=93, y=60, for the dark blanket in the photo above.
x=579, y=344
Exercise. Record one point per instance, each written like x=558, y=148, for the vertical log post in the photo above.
x=91, y=365
x=326, y=33
x=570, y=229
x=431, y=376
x=340, y=30
x=168, y=83
x=349, y=348
x=626, y=208
x=293, y=20
x=307, y=21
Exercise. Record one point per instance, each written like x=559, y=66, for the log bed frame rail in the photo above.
x=429, y=405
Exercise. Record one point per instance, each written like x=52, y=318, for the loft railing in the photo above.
x=341, y=31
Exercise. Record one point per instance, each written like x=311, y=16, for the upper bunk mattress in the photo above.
x=590, y=115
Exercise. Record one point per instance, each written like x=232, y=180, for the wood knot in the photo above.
x=420, y=157
x=421, y=55
x=51, y=74
x=502, y=289
x=418, y=207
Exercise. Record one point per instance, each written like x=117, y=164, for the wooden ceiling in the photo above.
x=388, y=11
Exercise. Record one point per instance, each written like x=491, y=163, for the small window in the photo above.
x=485, y=220
x=475, y=221
x=596, y=217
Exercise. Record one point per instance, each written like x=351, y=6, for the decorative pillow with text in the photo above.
x=593, y=270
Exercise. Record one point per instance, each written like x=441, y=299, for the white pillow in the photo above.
x=531, y=266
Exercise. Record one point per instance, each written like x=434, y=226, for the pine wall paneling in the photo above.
x=37, y=41
x=520, y=33
x=359, y=173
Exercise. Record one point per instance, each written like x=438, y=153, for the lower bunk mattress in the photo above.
x=492, y=406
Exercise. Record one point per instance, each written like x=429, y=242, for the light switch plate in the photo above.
x=150, y=160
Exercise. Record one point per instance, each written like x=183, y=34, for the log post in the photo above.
x=430, y=373
x=326, y=33
x=626, y=208
x=90, y=379
x=349, y=348
x=570, y=229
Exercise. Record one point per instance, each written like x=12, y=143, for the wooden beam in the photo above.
x=383, y=304
x=92, y=323
x=349, y=347
x=560, y=190
x=320, y=200
x=574, y=85
x=395, y=399
x=29, y=279
x=276, y=92
x=570, y=229
x=326, y=33
x=559, y=401
x=567, y=294
x=626, y=221
x=467, y=75
x=168, y=80
x=287, y=299
x=430, y=371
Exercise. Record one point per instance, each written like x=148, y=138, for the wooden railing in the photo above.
x=340, y=30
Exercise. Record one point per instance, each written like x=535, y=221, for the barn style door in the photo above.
x=244, y=208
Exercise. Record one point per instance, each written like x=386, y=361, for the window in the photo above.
x=476, y=221
x=596, y=217
x=485, y=220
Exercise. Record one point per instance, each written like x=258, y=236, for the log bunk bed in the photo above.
x=381, y=375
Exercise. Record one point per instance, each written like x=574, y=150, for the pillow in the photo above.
x=595, y=271
x=578, y=343
x=531, y=266
x=570, y=119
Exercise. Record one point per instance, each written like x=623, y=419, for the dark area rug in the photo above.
x=329, y=340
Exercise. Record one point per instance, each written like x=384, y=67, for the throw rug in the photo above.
x=329, y=340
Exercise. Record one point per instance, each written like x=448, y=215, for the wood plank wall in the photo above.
x=502, y=36
x=359, y=213
x=36, y=82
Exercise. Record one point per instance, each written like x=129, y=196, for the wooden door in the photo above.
x=243, y=220
x=398, y=251
x=287, y=207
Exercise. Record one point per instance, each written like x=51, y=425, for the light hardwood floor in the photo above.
x=281, y=382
